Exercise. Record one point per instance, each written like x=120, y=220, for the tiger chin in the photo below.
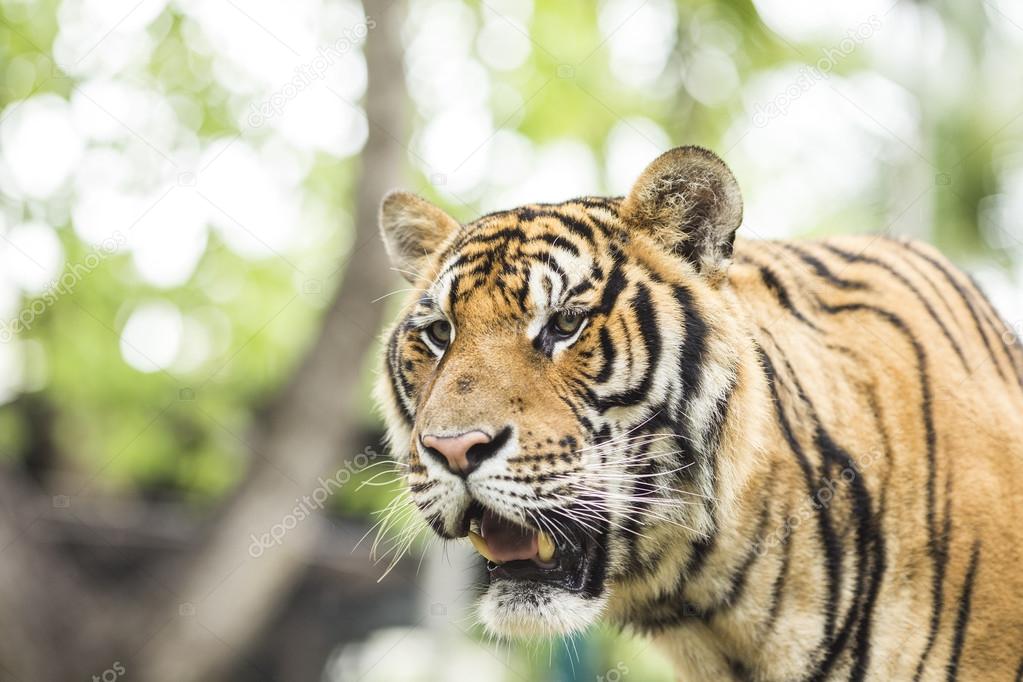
x=780, y=460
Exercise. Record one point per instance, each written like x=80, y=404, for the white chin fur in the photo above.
x=517, y=610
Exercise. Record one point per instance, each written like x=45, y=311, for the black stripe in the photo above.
x=395, y=375
x=586, y=393
x=707, y=464
x=996, y=322
x=516, y=235
x=718, y=417
x=609, y=203
x=522, y=294
x=783, y=571
x=869, y=543
x=453, y=292
x=691, y=359
x=963, y=617
x=579, y=288
x=630, y=356
x=937, y=539
x=698, y=555
x=558, y=241
x=607, y=348
x=573, y=225
x=479, y=262
x=594, y=584
x=435, y=520
x=881, y=428
x=739, y=579
x=483, y=265
x=870, y=551
x=861, y=258
x=926, y=276
x=481, y=236
x=650, y=336
x=772, y=282
x=609, y=231
x=643, y=487
x=822, y=270
x=739, y=671
x=966, y=298
x=694, y=347
x=828, y=536
x=616, y=283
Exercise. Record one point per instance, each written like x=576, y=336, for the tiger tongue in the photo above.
x=507, y=541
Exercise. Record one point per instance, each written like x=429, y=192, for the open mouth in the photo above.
x=515, y=552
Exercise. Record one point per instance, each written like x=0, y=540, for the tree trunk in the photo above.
x=224, y=593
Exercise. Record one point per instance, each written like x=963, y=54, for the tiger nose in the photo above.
x=455, y=450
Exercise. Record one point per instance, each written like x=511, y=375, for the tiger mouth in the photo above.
x=517, y=553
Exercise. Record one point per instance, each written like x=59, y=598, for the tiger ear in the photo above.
x=689, y=200
x=412, y=229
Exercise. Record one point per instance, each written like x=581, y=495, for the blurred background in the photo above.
x=192, y=288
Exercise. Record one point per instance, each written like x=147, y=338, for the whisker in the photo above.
x=646, y=513
x=393, y=293
x=660, y=487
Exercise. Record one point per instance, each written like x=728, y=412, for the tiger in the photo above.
x=777, y=460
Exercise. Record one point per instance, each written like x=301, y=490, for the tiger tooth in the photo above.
x=481, y=546
x=545, y=547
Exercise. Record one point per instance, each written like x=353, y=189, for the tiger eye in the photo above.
x=567, y=322
x=440, y=332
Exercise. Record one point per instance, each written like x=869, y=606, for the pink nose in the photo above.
x=455, y=449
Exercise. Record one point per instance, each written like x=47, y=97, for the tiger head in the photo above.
x=557, y=386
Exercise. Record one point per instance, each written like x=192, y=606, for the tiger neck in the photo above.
x=686, y=575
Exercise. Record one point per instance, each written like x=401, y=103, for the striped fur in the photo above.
x=801, y=460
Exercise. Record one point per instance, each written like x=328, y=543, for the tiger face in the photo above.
x=540, y=388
